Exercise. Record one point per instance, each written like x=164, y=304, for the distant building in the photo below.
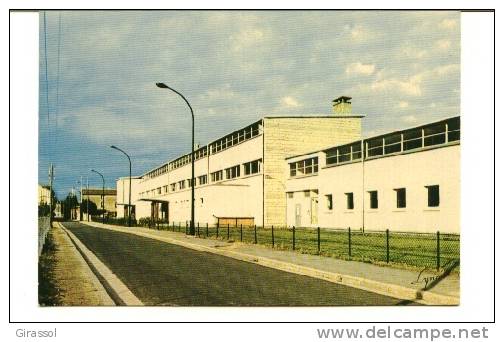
x=96, y=196
x=44, y=194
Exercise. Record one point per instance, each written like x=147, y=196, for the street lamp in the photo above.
x=103, y=195
x=164, y=86
x=129, y=193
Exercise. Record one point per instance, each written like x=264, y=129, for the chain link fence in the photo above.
x=44, y=224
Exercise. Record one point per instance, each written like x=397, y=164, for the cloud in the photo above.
x=359, y=68
x=359, y=33
x=410, y=87
x=289, y=102
x=443, y=44
x=403, y=104
x=246, y=38
x=448, y=24
x=409, y=119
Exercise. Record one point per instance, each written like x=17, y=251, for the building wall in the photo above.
x=413, y=171
x=240, y=197
x=284, y=137
x=110, y=202
x=44, y=195
x=122, y=186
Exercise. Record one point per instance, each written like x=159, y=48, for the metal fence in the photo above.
x=426, y=250
x=44, y=224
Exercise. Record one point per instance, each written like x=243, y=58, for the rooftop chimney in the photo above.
x=342, y=105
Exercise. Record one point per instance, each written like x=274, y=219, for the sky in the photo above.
x=401, y=68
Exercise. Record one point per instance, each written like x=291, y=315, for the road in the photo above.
x=159, y=273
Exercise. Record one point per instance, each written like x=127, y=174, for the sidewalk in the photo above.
x=399, y=283
x=76, y=283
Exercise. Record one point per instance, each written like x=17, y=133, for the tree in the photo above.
x=93, y=210
x=69, y=203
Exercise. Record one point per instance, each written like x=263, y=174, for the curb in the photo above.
x=391, y=290
x=115, y=288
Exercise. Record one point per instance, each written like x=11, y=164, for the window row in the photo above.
x=304, y=167
x=416, y=138
x=432, y=199
x=235, y=138
x=249, y=168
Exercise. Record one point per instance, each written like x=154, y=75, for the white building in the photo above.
x=240, y=178
x=408, y=180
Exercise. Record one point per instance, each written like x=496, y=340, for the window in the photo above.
x=329, y=202
x=432, y=195
x=344, y=154
x=373, y=199
x=435, y=134
x=181, y=184
x=216, y=176
x=202, y=179
x=252, y=167
x=292, y=169
x=233, y=172
x=393, y=143
x=189, y=183
x=165, y=189
x=349, y=200
x=159, y=191
x=290, y=195
x=400, y=197
x=332, y=156
x=412, y=139
x=302, y=167
x=173, y=186
x=375, y=147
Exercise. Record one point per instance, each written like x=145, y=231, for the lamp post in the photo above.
x=129, y=192
x=164, y=86
x=103, y=194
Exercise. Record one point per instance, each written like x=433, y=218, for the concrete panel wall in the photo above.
x=284, y=137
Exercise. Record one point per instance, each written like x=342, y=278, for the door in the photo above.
x=314, y=210
x=298, y=215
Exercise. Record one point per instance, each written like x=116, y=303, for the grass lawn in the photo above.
x=418, y=250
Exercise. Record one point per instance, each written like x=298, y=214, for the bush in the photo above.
x=145, y=221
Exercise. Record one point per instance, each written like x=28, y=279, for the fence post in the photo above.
x=388, y=246
x=255, y=233
x=217, y=231
x=228, y=232
x=293, y=238
x=186, y=226
x=272, y=237
x=241, y=232
x=198, y=229
x=173, y=224
x=207, y=229
x=318, y=239
x=349, y=242
x=438, y=251
x=179, y=226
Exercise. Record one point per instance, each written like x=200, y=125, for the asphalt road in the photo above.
x=159, y=273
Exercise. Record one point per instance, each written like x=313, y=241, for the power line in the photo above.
x=57, y=82
x=46, y=78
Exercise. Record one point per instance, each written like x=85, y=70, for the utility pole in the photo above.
x=51, y=177
x=80, y=206
x=87, y=202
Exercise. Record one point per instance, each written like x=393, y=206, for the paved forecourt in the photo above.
x=159, y=273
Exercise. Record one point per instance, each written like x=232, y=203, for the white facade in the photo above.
x=240, y=176
x=411, y=164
